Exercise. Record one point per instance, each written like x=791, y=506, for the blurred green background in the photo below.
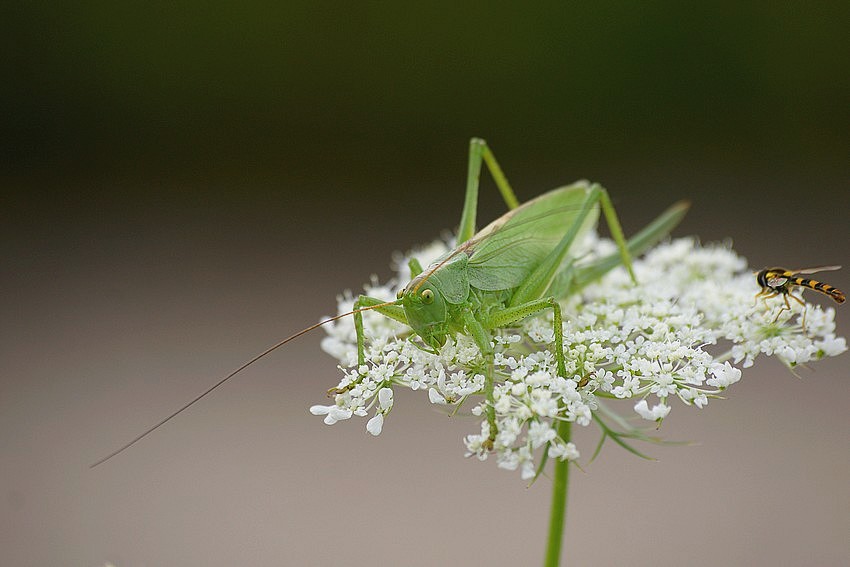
x=284, y=101
x=185, y=183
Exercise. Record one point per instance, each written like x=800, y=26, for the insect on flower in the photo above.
x=780, y=281
x=517, y=266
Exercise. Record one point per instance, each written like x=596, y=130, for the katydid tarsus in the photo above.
x=518, y=265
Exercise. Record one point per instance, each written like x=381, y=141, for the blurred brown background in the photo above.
x=184, y=185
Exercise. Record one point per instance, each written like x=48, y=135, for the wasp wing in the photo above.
x=815, y=270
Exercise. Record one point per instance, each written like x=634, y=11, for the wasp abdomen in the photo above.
x=826, y=289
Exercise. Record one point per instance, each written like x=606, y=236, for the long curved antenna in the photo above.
x=228, y=377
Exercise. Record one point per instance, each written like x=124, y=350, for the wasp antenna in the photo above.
x=209, y=390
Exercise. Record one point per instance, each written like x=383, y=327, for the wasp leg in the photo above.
x=764, y=292
x=801, y=302
x=782, y=310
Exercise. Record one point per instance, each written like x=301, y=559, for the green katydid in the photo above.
x=517, y=266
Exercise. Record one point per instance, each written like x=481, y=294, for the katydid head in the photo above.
x=426, y=312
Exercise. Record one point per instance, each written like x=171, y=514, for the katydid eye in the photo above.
x=427, y=297
x=400, y=294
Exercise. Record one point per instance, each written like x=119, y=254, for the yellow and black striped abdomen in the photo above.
x=826, y=289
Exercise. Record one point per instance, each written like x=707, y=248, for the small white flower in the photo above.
x=540, y=433
x=658, y=411
x=832, y=346
x=376, y=424
x=528, y=471
x=663, y=386
x=332, y=413
x=509, y=430
x=518, y=389
x=385, y=399
x=724, y=375
x=564, y=452
x=436, y=397
x=684, y=331
x=694, y=396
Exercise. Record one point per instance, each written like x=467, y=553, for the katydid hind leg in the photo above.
x=639, y=243
x=498, y=175
x=537, y=284
x=616, y=231
x=415, y=267
x=480, y=153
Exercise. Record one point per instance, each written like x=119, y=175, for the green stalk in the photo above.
x=559, y=503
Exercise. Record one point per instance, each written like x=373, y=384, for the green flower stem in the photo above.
x=559, y=503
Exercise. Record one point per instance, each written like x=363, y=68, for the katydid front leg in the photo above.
x=395, y=312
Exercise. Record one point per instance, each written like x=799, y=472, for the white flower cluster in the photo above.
x=685, y=331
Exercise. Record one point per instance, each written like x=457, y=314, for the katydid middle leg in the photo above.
x=533, y=295
x=502, y=318
x=482, y=338
x=508, y=315
x=395, y=312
